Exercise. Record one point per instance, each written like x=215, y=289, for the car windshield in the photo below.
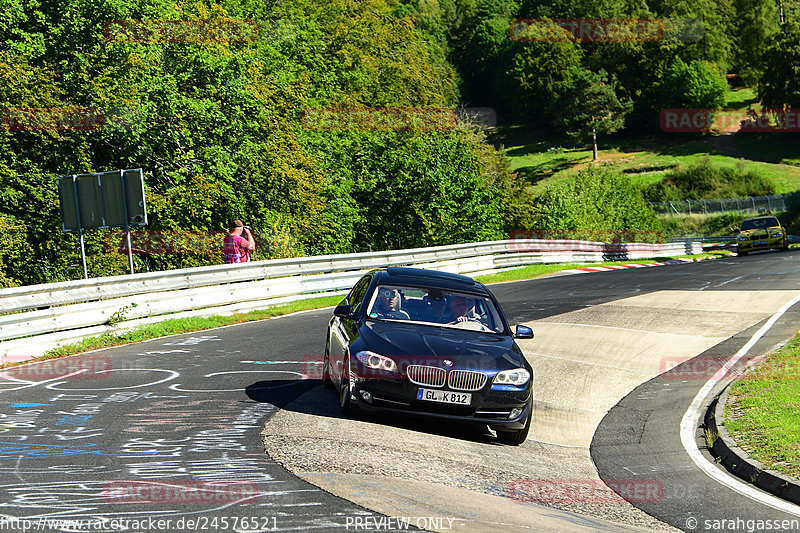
x=759, y=223
x=435, y=307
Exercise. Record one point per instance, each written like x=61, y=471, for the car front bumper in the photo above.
x=489, y=406
x=759, y=244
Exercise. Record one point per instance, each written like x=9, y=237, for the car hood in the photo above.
x=414, y=344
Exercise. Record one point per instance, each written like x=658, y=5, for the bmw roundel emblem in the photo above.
x=447, y=362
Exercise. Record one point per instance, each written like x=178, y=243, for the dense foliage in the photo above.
x=707, y=180
x=598, y=202
x=221, y=127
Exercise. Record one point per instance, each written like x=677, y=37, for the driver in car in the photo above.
x=387, y=305
x=457, y=311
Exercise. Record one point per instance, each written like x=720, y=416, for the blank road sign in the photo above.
x=106, y=200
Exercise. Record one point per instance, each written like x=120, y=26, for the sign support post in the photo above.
x=80, y=227
x=127, y=219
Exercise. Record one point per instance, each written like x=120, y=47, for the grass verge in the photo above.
x=176, y=326
x=763, y=408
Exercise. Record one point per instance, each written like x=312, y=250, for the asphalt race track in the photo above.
x=170, y=430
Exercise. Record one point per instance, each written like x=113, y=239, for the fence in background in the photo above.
x=750, y=204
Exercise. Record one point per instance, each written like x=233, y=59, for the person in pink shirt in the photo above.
x=236, y=248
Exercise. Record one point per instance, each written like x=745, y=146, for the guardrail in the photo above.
x=40, y=317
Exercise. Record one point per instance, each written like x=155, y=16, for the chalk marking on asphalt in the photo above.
x=730, y=281
x=37, y=383
x=690, y=420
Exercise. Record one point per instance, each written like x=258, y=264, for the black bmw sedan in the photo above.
x=432, y=344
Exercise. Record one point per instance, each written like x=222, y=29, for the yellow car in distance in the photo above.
x=761, y=233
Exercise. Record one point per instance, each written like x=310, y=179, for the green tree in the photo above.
x=693, y=85
x=540, y=73
x=591, y=106
x=757, y=23
x=780, y=83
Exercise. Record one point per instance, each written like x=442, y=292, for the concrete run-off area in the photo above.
x=584, y=362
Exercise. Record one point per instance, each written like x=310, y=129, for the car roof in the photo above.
x=429, y=278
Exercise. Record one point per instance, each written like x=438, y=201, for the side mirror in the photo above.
x=343, y=311
x=523, y=332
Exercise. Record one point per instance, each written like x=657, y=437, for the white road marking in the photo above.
x=690, y=420
x=172, y=375
x=176, y=386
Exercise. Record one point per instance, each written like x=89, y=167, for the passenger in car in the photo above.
x=387, y=305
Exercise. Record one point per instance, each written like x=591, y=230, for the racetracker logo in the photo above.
x=730, y=120
x=52, y=119
x=92, y=366
x=520, y=238
x=166, y=242
x=375, y=366
x=702, y=367
x=68, y=118
x=604, y=30
x=586, y=490
x=398, y=118
x=382, y=119
x=180, y=492
x=181, y=31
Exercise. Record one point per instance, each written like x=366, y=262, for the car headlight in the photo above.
x=742, y=238
x=518, y=377
x=376, y=361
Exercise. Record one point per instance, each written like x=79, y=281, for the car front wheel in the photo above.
x=344, y=391
x=326, y=369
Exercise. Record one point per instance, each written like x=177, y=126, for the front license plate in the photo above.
x=442, y=396
x=760, y=243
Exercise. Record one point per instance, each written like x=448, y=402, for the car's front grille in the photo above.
x=429, y=376
x=466, y=380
